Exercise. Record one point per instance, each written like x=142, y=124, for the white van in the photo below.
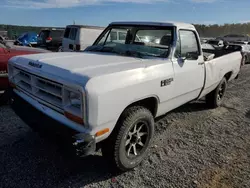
x=78, y=37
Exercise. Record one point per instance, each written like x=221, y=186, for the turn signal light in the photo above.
x=102, y=132
x=73, y=117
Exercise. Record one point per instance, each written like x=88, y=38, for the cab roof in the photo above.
x=170, y=24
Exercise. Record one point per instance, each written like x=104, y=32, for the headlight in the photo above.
x=73, y=105
x=75, y=99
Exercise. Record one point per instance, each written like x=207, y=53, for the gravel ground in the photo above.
x=193, y=147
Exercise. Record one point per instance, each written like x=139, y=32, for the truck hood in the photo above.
x=77, y=67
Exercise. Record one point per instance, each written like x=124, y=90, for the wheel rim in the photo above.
x=221, y=91
x=137, y=139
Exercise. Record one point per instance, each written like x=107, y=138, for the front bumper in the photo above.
x=83, y=143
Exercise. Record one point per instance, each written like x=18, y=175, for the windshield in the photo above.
x=137, y=41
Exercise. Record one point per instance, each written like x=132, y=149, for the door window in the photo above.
x=189, y=43
x=73, y=33
x=66, y=33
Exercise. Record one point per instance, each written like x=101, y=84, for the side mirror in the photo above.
x=183, y=59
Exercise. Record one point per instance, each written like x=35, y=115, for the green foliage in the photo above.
x=220, y=30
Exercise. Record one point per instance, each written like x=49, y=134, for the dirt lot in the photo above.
x=193, y=147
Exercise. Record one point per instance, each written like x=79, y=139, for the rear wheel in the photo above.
x=215, y=98
x=128, y=144
x=243, y=61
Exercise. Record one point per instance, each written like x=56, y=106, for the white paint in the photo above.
x=113, y=82
x=84, y=37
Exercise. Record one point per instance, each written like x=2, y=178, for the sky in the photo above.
x=59, y=13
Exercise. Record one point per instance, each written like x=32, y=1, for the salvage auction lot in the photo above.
x=193, y=147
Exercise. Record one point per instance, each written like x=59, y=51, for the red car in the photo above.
x=8, y=51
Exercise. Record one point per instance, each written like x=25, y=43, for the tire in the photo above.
x=215, y=98
x=128, y=144
x=243, y=61
x=59, y=49
x=4, y=98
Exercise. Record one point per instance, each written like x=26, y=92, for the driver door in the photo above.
x=188, y=67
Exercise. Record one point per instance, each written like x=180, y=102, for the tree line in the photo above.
x=221, y=30
x=204, y=30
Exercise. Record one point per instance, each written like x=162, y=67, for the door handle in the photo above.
x=201, y=63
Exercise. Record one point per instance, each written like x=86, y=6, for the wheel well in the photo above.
x=228, y=75
x=150, y=103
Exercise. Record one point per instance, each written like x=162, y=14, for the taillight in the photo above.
x=78, y=47
x=49, y=39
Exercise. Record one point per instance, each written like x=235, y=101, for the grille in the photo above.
x=41, y=88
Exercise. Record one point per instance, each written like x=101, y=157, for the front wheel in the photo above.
x=4, y=97
x=128, y=144
x=215, y=98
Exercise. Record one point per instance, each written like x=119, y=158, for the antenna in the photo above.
x=74, y=23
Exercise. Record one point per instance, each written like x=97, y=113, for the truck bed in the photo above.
x=225, y=62
x=221, y=51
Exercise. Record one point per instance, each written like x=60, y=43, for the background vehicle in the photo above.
x=78, y=37
x=240, y=42
x=2, y=38
x=50, y=39
x=110, y=93
x=27, y=39
x=8, y=51
x=234, y=37
x=245, y=51
x=216, y=43
x=3, y=35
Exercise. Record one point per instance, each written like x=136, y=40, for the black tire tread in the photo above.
x=110, y=151
x=211, y=98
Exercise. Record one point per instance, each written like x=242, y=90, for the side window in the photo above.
x=189, y=43
x=66, y=33
x=73, y=33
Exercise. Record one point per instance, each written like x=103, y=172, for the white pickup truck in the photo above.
x=109, y=95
